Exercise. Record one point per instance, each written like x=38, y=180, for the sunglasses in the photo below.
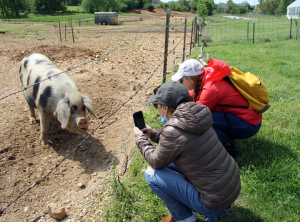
x=181, y=80
x=155, y=105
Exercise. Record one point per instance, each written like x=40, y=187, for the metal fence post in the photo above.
x=166, y=45
x=253, y=29
x=185, y=22
x=191, y=38
x=291, y=28
x=248, y=30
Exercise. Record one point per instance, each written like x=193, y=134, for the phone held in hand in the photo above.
x=139, y=120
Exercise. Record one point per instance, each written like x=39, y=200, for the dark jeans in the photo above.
x=170, y=185
x=240, y=129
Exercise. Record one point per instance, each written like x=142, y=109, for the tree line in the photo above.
x=14, y=8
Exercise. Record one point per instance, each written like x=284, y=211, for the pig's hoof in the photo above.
x=44, y=142
x=32, y=121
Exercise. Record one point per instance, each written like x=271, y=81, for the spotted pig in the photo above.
x=56, y=97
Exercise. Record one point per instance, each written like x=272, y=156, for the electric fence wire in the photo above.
x=114, y=157
x=112, y=160
x=83, y=64
x=76, y=147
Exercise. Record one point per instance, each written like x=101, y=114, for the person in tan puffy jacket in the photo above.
x=189, y=168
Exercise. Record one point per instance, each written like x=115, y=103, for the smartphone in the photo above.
x=139, y=120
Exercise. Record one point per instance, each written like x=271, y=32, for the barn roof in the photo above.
x=294, y=4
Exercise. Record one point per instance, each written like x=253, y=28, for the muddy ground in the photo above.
x=109, y=82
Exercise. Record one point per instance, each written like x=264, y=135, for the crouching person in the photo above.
x=189, y=169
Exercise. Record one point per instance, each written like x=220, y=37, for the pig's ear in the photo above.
x=88, y=104
x=63, y=112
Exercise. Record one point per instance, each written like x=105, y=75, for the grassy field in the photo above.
x=265, y=28
x=269, y=161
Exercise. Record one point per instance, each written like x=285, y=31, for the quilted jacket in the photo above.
x=189, y=141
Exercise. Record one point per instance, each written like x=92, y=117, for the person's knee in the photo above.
x=150, y=176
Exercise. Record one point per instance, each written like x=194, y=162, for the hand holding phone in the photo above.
x=139, y=120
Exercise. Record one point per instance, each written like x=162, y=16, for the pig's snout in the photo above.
x=83, y=125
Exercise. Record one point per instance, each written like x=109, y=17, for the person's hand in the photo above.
x=137, y=131
x=147, y=130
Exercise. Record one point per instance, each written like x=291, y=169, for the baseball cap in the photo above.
x=190, y=67
x=171, y=94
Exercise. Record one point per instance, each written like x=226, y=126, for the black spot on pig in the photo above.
x=31, y=102
x=39, y=61
x=73, y=109
x=45, y=96
x=36, y=88
x=26, y=63
x=28, y=77
x=28, y=56
x=20, y=69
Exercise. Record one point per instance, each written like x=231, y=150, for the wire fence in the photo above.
x=112, y=113
x=255, y=29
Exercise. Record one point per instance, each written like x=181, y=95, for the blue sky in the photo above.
x=251, y=2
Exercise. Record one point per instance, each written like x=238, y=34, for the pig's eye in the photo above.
x=73, y=109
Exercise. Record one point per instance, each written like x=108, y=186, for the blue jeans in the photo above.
x=178, y=194
x=240, y=128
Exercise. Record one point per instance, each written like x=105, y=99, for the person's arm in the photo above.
x=165, y=153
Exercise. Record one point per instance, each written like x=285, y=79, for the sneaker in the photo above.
x=167, y=219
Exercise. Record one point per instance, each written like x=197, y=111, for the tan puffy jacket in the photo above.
x=189, y=141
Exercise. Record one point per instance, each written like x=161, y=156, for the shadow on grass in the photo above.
x=236, y=214
x=259, y=152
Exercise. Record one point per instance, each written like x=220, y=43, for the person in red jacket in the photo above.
x=207, y=88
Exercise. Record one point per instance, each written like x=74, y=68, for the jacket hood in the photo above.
x=191, y=117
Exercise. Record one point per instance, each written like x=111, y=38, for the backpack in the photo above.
x=249, y=85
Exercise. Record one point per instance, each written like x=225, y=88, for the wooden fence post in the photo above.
x=59, y=30
x=191, y=38
x=72, y=31
x=184, y=39
x=166, y=45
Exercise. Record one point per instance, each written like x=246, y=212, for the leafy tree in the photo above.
x=231, y=7
x=94, y=5
x=46, y=6
x=269, y=6
x=202, y=9
x=193, y=5
x=240, y=10
x=74, y=2
x=282, y=7
x=13, y=8
x=160, y=5
x=149, y=7
x=184, y=3
x=210, y=5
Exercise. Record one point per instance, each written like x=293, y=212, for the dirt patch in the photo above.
x=109, y=83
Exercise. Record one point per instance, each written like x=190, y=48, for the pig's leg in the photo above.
x=45, y=122
x=32, y=119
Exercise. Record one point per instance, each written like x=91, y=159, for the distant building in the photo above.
x=243, y=5
x=293, y=10
x=222, y=6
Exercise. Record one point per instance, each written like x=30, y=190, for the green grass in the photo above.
x=266, y=28
x=269, y=161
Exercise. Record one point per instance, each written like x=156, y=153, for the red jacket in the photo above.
x=214, y=91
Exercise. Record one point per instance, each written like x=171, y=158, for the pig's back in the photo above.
x=37, y=67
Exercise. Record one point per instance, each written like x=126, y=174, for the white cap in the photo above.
x=190, y=67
